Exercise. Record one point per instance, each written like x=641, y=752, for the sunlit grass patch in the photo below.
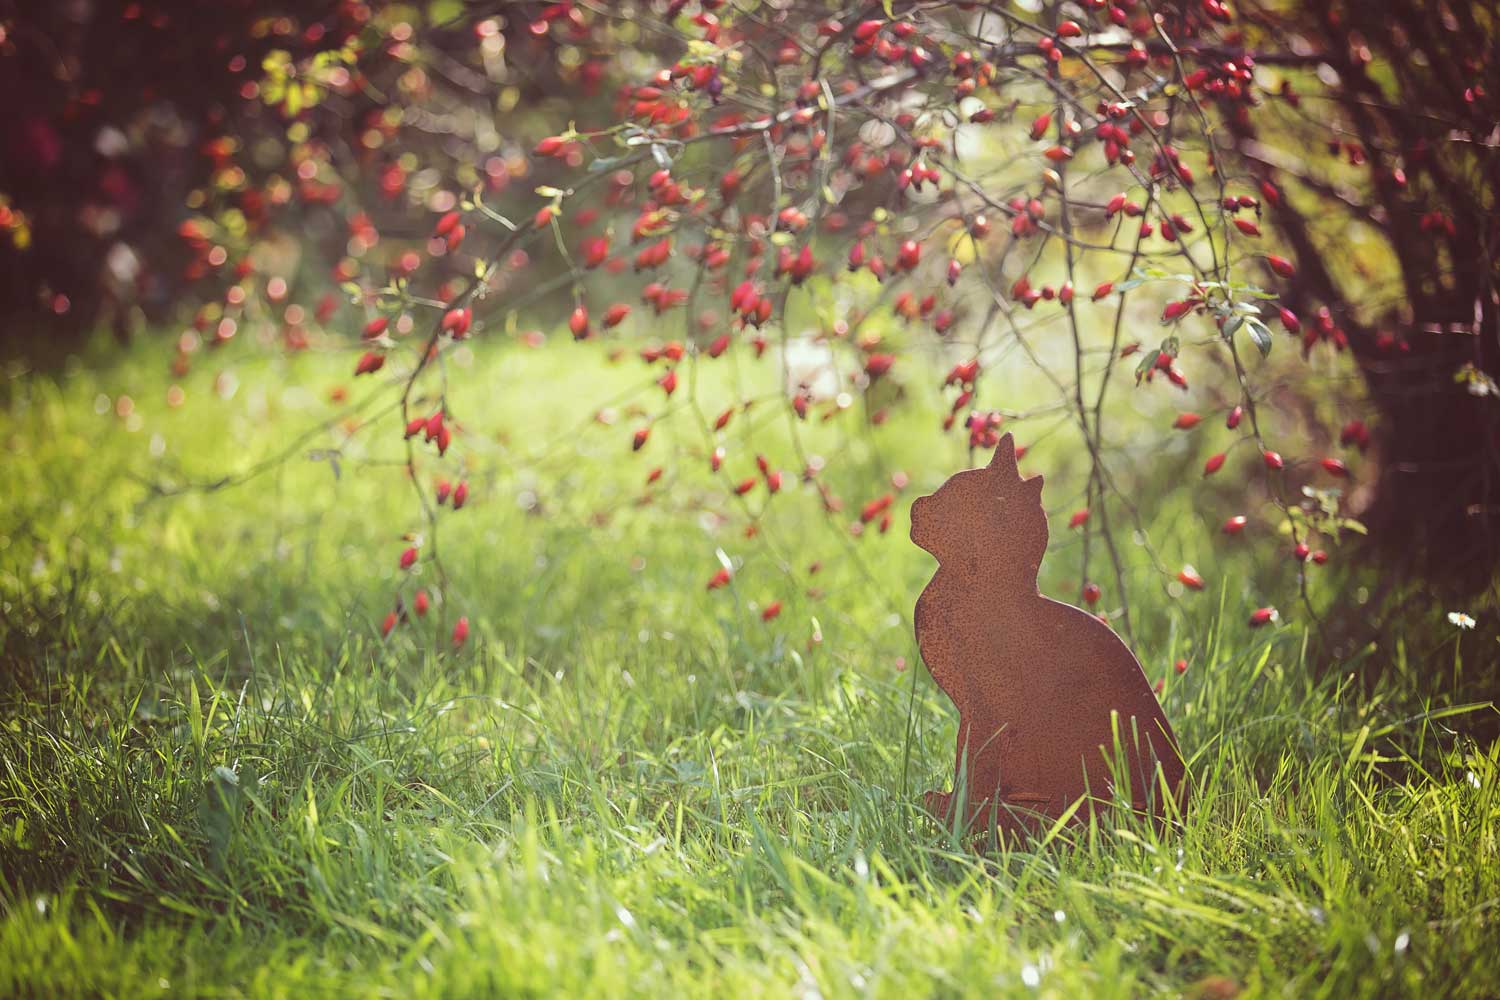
x=216, y=777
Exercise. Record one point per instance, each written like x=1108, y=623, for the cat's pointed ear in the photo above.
x=1003, y=461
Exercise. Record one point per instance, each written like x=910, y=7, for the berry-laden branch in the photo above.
x=820, y=183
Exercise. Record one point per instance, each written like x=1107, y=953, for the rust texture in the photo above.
x=1052, y=706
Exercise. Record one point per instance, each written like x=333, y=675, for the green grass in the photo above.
x=217, y=779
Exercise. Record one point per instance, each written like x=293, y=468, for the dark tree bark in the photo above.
x=1416, y=101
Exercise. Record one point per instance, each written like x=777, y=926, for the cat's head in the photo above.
x=990, y=518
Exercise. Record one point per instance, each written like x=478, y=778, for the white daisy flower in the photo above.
x=1460, y=619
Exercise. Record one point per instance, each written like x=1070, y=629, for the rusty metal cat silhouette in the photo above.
x=1052, y=706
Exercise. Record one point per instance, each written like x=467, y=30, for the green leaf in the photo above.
x=219, y=812
x=605, y=163
x=1261, y=335
x=1170, y=347
x=1147, y=360
x=195, y=713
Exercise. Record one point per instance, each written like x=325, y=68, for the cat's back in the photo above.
x=1085, y=667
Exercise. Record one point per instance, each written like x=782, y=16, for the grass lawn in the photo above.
x=217, y=779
